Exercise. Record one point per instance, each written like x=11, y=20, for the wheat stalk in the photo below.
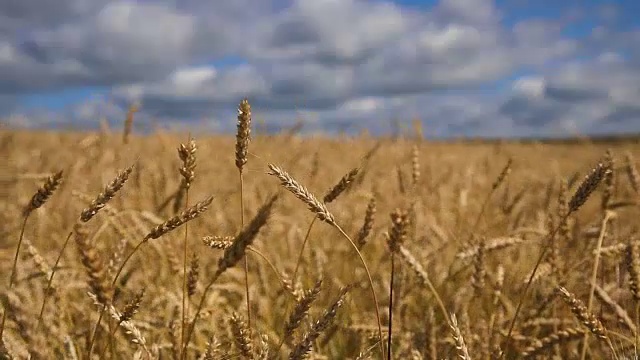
x=243, y=137
x=37, y=200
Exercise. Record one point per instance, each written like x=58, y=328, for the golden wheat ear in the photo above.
x=106, y=195
x=244, y=134
x=44, y=193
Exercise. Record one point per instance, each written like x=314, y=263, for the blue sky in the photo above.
x=463, y=67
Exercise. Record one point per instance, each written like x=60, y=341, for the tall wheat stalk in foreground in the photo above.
x=243, y=137
x=187, y=154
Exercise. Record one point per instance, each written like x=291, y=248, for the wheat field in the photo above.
x=249, y=247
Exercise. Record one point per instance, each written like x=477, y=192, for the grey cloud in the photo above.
x=574, y=95
x=595, y=96
x=330, y=32
x=624, y=115
x=17, y=16
x=8, y=103
x=293, y=32
x=527, y=112
x=109, y=43
x=536, y=42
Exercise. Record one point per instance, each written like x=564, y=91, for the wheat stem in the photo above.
x=594, y=275
x=390, y=326
x=50, y=281
x=373, y=292
x=13, y=271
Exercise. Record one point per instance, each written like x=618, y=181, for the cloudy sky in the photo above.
x=462, y=67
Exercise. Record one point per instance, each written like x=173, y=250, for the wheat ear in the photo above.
x=39, y=199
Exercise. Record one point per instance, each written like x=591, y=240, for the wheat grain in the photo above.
x=242, y=336
x=193, y=274
x=463, y=352
x=582, y=314
x=218, y=242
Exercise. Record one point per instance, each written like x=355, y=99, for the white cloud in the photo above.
x=190, y=80
x=530, y=86
x=7, y=53
x=366, y=105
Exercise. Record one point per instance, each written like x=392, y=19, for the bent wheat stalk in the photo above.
x=331, y=195
x=187, y=154
x=321, y=211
